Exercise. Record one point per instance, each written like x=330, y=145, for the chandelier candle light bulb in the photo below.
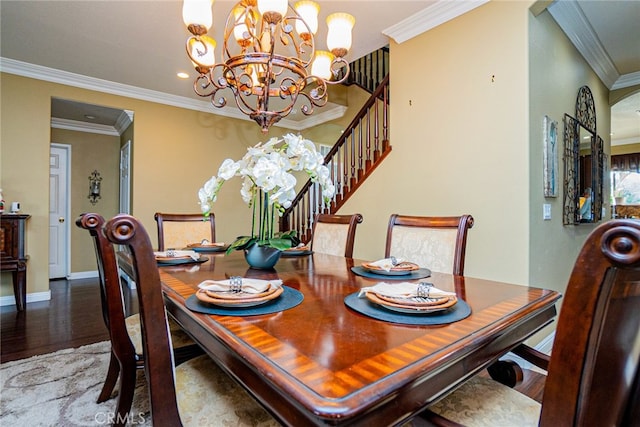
x=197, y=15
x=259, y=37
x=308, y=11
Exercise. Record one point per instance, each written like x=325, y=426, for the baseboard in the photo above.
x=546, y=344
x=83, y=275
x=128, y=280
x=33, y=297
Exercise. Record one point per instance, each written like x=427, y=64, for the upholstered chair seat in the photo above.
x=179, y=338
x=498, y=405
x=207, y=396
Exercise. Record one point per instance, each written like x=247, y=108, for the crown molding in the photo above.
x=124, y=121
x=627, y=80
x=335, y=112
x=78, y=126
x=430, y=17
x=569, y=16
x=53, y=75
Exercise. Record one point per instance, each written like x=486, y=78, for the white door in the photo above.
x=125, y=178
x=59, y=160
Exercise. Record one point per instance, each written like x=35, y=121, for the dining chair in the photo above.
x=594, y=376
x=440, y=243
x=124, y=331
x=436, y=242
x=197, y=392
x=176, y=231
x=335, y=234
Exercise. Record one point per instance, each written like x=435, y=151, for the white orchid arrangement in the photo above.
x=268, y=186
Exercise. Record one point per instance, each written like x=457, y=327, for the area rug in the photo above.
x=61, y=388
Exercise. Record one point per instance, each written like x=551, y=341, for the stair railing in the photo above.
x=368, y=71
x=360, y=149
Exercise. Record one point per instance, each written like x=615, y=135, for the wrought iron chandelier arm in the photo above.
x=268, y=54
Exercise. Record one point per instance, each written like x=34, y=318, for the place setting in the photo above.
x=391, y=268
x=415, y=303
x=205, y=246
x=300, y=250
x=242, y=296
x=178, y=257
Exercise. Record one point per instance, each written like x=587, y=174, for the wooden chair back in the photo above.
x=113, y=312
x=126, y=230
x=593, y=374
x=176, y=231
x=110, y=291
x=335, y=234
x=435, y=242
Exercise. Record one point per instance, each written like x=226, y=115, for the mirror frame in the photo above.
x=585, y=119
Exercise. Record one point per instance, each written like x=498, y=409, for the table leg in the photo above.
x=20, y=286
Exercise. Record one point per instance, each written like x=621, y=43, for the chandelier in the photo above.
x=269, y=58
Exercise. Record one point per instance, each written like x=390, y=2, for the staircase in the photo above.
x=361, y=148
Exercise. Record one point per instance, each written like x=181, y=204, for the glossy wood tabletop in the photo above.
x=322, y=363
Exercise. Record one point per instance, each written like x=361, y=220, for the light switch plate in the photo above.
x=546, y=211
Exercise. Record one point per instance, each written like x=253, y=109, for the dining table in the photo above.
x=329, y=357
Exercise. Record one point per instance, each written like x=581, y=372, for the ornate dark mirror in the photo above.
x=584, y=162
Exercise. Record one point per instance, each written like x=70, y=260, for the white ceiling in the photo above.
x=135, y=48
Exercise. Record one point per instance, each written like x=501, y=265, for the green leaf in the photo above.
x=241, y=243
x=281, y=244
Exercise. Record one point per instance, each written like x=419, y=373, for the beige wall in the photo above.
x=175, y=150
x=89, y=152
x=557, y=71
x=625, y=149
x=459, y=139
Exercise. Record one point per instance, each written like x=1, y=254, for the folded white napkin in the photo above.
x=176, y=254
x=386, y=264
x=250, y=286
x=300, y=247
x=205, y=242
x=402, y=290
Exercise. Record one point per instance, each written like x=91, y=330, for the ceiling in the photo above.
x=135, y=48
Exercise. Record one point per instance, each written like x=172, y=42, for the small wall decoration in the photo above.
x=94, y=187
x=550, y=163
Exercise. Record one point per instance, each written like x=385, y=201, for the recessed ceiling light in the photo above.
x=89, y=117
x=183, y=75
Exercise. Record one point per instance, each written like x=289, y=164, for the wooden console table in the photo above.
x=627, y=211
x=12, y=254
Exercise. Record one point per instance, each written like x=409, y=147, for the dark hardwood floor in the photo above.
x=73, y=317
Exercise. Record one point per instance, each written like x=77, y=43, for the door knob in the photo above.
x=61, y=220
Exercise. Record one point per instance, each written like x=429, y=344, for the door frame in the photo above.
x=67, y=207
x=125, y=184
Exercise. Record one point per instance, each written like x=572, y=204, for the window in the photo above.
x=625, y=178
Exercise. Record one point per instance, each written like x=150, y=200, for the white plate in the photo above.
x=407, y=309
